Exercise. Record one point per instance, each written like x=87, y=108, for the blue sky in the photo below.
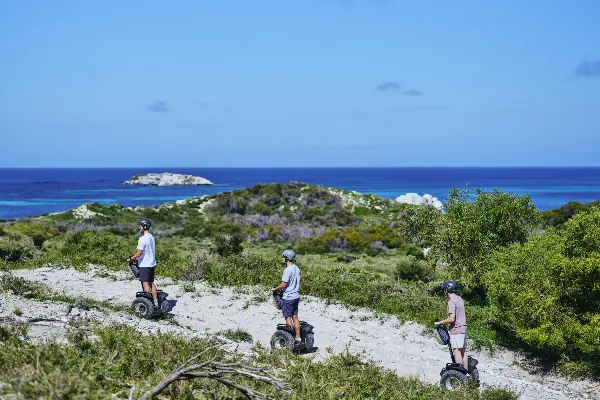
x=299, y=83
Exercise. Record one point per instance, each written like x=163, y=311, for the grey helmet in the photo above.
x=449, y=286
x=145, y=223
x=289, y=254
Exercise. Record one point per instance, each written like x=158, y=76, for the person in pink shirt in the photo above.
x=457, y=318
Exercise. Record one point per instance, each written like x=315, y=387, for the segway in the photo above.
x=144, y=302
x=284, y=336
x=454, y=375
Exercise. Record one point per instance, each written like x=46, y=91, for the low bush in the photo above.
x=558, y=216
x=412, y=269
x=38, y=232
x=16, y=246
x=229, y=243
x=371, y=240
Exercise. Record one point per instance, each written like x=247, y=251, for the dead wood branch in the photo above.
x=221, y=372
x=25, y=320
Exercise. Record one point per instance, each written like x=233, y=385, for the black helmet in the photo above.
x=145, y=223
x=449, y=286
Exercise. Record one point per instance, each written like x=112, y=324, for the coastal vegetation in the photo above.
x=117, y=362
x=530, y=278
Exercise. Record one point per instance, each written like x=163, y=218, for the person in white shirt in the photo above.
x=146, y=256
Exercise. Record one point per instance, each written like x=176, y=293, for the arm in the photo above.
x=450, y=320
x=135, y=256
x=282, y=285
x=139, y=251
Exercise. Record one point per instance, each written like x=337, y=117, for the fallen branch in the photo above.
x=221, y=373
x=31, y=320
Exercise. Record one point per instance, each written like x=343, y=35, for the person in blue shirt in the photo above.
x=290, y=284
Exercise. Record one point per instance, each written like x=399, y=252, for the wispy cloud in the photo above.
x=159, y=106
x=412, y=92
x=589, y=69
x=389, y=86
x=396, y=87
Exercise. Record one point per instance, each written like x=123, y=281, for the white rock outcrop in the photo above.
x=167, y=179
x=83, y=212
x=425, y=200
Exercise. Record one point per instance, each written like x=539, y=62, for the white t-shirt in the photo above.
x=147, y=246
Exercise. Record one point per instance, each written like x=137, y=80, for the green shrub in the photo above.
x=102, y=248
x=229, y=243
x=412, y=269
x=546, y=291
x=474, y=228
x=259, y=207
x=371, y=240
x=582, y=236
x=418, y=224
x=237, y=335
x=16, y=246
x=558, y=216
x=38, y=232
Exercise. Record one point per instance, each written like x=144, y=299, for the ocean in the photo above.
x=29, y=192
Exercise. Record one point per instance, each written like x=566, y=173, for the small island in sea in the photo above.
x=167, y=179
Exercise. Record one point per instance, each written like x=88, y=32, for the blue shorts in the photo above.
x=290, y=307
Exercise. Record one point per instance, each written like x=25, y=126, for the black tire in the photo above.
x=309, y=341
x=453, y=380
x=164, y=307
x=143, y=307
x=475, y=377
x=282, y=340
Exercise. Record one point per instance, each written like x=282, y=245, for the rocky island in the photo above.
x=167, y=179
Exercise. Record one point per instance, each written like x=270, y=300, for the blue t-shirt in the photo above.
x=291, y=275
x=148, y=247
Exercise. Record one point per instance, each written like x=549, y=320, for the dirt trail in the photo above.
x=406, y=348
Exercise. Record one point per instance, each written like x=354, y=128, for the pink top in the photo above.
x=456, y=306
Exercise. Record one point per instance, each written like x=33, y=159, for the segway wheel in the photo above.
x=282, y=340
x=309, y=341
x=453, y=380
x=164, y=307
x=475, y=377
x=143, y=307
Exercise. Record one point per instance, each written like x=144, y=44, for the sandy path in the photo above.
x=400, y=347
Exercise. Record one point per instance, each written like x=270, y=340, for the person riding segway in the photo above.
x=294, y=334
x=150, y=300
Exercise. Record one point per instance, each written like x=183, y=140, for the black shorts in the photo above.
x=146, y=274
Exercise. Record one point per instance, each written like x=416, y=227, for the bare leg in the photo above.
x=146, y=287
x=289, y=321
x=460, y=357
x=465, y=358
x=154, y=292
x=297, y=326
x=457, y=356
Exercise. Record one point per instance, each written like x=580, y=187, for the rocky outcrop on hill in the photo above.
x=167, y=179
x=425, y=200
